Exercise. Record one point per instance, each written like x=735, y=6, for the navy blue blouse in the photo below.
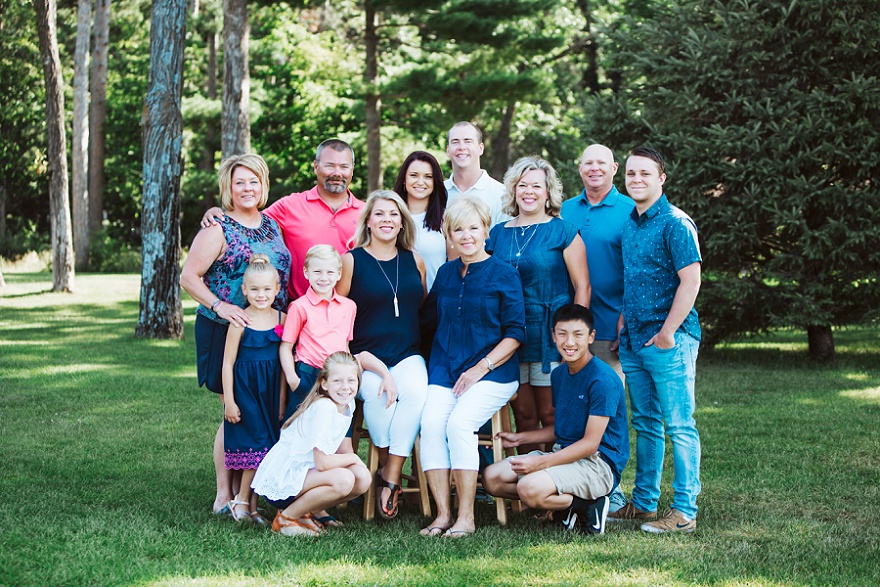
x=475, y=313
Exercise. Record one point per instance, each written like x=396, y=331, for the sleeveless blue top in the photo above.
x=224, y=276
x=376, y=329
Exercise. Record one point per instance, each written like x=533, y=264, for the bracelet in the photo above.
x=489, y=362
x=216, y=304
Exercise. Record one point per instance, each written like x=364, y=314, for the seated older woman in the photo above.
x=472, y=371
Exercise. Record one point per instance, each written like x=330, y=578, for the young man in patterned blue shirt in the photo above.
x=659, y=344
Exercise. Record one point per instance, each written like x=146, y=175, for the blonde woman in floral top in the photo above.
x=212, y=275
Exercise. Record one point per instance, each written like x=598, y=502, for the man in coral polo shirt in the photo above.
x=326, y=214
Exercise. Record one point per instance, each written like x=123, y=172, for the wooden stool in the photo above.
x=415, y=482
x=500, y=423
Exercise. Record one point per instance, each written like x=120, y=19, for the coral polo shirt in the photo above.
x=305, y=221
x=319, y=327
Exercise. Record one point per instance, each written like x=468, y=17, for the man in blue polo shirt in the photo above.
x=599, y=212
x=659, y=344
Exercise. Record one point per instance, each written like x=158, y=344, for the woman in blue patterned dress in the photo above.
x=212, y=276
x=551, y=260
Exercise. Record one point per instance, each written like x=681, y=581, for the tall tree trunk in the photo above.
x=80, y=144
x=161, y=315
x=590, y=76
x=501, y=144
x=820, y=341
x=206, y=162
x=59, y=207
x=98, y=114
x=373, y=121
x=236, y=127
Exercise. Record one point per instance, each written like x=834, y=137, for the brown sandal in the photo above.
x=389, y=509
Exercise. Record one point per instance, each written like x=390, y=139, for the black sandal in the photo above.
x=381, y=484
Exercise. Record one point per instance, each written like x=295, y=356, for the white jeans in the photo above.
x=396, y=427
x=449, y=423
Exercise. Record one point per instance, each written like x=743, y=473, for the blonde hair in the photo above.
x=322, y=253
x=228, y=166
x=406, y=238
x=337, y=359
x=463, y=209
x=259, y=264
x=516, y=172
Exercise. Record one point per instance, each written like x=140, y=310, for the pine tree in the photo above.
x=768, y=110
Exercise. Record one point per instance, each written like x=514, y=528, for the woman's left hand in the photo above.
x=389, y=389
x=467, y=379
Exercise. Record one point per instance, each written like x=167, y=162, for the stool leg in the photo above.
x=422, y=480
x=498, y=453
x=515, y=504
x=370, y=495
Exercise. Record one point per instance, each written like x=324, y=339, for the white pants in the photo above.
x=449, y=423
x=396, y=427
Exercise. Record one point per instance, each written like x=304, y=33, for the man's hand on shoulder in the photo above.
x=213, y=216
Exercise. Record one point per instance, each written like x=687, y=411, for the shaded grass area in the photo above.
x=107, y=477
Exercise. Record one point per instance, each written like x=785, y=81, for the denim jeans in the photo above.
x=661, y=391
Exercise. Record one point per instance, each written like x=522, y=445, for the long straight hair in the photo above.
x=438, y=198
x=339, y=358
x=406, y=238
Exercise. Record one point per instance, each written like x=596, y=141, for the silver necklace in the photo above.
x=520, y=249
x=395, y=285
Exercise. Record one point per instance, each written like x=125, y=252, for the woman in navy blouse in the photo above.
x=473, y=371
x=551, y=260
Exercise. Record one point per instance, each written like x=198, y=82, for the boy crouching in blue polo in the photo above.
x=590, y=434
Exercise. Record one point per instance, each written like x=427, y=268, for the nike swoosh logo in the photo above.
x=598, y=525
x=680, y=526
x=568, y=519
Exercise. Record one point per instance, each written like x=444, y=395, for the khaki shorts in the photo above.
x=602, y=349
x=588, y=478
x=531, y=373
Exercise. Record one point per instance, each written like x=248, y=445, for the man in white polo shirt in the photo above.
x=464, y=148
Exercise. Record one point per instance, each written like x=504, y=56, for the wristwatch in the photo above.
x=489, y=362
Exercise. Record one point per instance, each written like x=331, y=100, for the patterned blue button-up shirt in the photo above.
x=656, y=246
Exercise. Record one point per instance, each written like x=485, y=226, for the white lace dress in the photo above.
x=283, y=470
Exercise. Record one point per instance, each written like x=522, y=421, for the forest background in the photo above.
x=767, y=110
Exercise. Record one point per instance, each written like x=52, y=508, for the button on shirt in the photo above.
x=306, y=220
x=475, y=313
x=601, y=227
x=656, y=246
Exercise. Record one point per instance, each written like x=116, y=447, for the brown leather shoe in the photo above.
x=631, y=512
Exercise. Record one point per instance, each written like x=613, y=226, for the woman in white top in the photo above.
x=420, y=185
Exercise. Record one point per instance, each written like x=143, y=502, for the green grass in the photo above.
x=107, y=478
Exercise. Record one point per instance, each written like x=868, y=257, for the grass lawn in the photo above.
x=107, y=477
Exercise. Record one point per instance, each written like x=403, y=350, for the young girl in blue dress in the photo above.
x=252, y=384
x=303, y=473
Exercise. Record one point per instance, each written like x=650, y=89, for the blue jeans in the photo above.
x=661, y=390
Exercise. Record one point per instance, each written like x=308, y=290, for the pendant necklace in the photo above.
x=520, y=249
x=395, y=285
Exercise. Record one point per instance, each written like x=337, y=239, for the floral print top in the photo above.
x=224, y=276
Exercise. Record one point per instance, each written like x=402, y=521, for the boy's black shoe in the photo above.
x=593, y=520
